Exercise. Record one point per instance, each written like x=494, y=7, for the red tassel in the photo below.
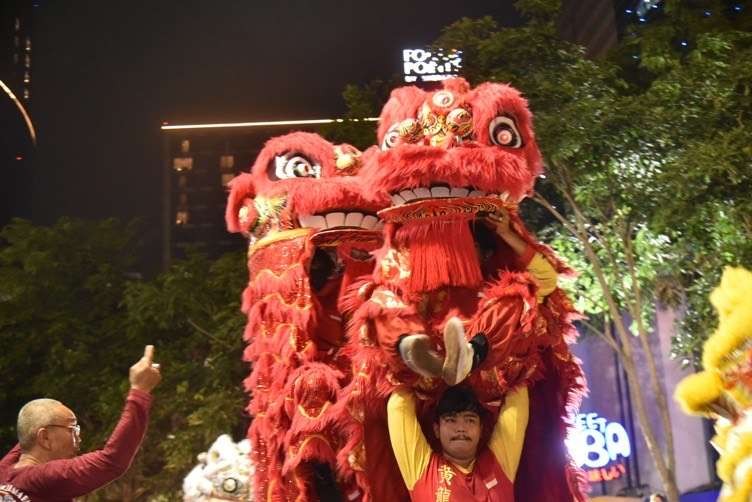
x=442, y=253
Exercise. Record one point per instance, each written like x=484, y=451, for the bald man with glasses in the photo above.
x=45, y=465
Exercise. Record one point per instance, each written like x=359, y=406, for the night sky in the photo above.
x=106, y=74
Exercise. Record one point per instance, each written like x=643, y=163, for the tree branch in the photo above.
x=628, y=359
x=604, y=336
x=537, y=197
x=209, y=335
x=658, y=390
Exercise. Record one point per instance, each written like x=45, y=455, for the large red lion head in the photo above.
x=447, y=158
x=455, y=143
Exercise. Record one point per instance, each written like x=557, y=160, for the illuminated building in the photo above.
x=16, y=46
x=16, y=80
x=430, y=65
x=199, y=160
x=198, y=163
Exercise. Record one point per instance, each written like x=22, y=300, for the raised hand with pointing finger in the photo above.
x=145, y=375
x=46, y=465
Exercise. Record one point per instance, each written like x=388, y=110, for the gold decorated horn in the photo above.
x=460, y=122
x=410, y=131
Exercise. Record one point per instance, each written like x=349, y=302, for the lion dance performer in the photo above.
x=310, y=228
x=723, y=390
x=461, y=291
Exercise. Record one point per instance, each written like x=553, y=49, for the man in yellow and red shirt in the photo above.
x=462, y=472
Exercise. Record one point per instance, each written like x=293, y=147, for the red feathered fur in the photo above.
x=294, y=381
x=442, y=253
x=419, y=283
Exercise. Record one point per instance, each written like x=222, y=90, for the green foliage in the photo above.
x=192, y=313
x=60, y=316
x=659, y=163
x=539, y=11
x=654, y=140
x=73, y=319
x=700, y=110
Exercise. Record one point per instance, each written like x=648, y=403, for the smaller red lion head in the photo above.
x=301, y=181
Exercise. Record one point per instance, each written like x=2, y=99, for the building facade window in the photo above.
x=226, y=163
x=181, y=217
x=181, y=164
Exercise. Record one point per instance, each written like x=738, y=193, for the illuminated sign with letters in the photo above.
x=599, y=446
x=424, y=65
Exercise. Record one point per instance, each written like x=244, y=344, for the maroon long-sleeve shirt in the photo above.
x=61, y=480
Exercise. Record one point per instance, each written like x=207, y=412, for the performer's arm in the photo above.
x=10, y=458
x=536, y=264
x=544, y=274
x=69, y=478
x=411, y=449
x=508, y=435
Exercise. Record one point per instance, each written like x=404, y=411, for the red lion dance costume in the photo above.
x=449, y=158
x=311, y=229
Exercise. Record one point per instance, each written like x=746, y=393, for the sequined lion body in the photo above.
x=310, y=228
x=448, y=158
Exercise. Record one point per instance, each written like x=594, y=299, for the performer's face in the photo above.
x=459, y=434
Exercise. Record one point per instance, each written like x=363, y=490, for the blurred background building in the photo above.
x=198, y=163
x=18, y=136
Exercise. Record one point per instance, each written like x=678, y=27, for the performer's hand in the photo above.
x=145, y=375
x=503, y=228
x=501, y=222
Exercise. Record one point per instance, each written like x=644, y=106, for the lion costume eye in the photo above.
x=294, y=165
x=503, y=132
x=391, y=138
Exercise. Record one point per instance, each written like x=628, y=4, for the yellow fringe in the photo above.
x=697, y=392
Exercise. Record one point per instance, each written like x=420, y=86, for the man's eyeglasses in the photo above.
x=75, y=428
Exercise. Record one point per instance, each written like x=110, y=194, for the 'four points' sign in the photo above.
x=423, y=65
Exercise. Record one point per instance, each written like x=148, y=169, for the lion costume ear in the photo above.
x=240, y=211
x=492, y=99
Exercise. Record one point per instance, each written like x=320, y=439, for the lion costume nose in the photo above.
x=443, y=129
